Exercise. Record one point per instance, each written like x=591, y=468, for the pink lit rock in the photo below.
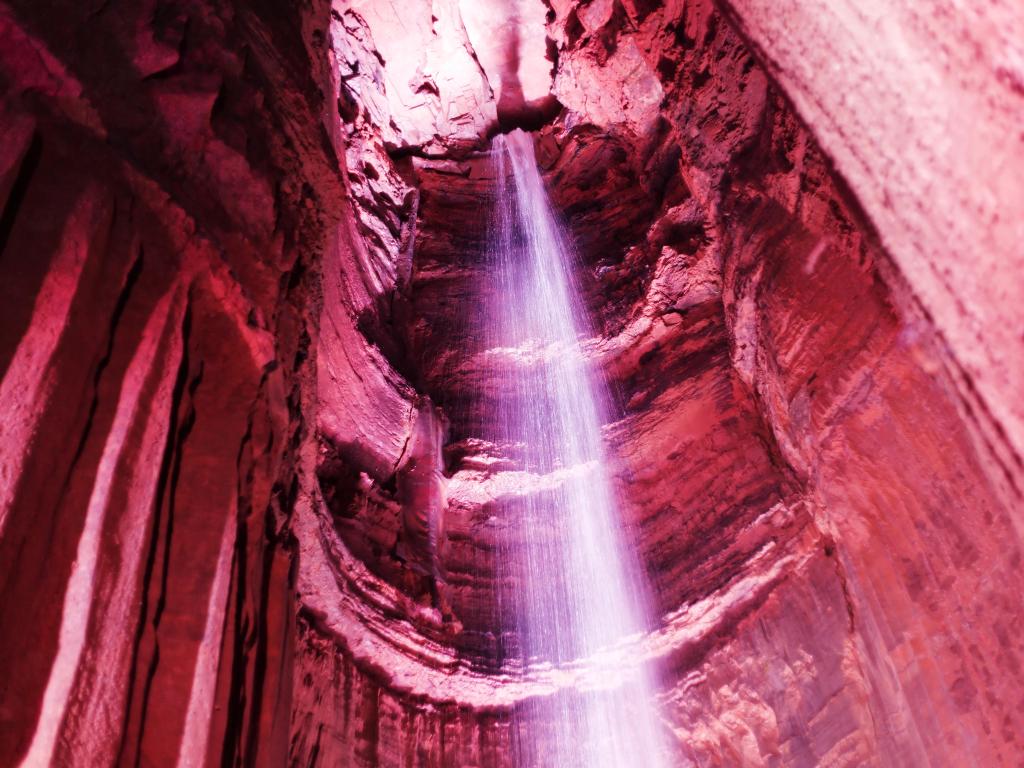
x=242, y=247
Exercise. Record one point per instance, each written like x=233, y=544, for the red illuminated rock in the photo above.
x=242, y=249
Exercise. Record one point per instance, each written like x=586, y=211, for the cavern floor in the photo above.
x=251, y=499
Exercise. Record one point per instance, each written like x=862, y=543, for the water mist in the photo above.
x=577, y=593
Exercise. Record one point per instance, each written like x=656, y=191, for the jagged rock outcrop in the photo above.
x=243, y=278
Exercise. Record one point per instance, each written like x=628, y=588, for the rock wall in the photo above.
x=166, y=195
x=241, y=255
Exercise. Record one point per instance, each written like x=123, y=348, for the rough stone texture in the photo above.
x=154, y=301
x=762, y=343
x=926, y=130
x=242, y=258
x=432, y=88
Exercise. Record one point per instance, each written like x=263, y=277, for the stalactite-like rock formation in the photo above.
x=240, y=253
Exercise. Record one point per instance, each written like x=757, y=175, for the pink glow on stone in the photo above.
x=80, y=595
x=29, y=381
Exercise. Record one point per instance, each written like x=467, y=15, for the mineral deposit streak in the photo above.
x=577, y=591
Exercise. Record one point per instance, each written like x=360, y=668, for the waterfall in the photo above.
x=573, y=583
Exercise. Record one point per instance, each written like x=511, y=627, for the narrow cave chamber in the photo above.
x=510, y=383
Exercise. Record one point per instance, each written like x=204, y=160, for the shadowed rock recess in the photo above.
x=246, y=507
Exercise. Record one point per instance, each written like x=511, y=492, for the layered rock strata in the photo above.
x=242, y=249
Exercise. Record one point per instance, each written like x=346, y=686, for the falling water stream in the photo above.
x=577, y=591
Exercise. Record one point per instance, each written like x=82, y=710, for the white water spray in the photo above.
x=574, y=584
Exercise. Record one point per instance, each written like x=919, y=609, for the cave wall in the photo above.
x=926, y=132
x=240, y=244
x=788, y=406
x=161, y=232
x=863, y=396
